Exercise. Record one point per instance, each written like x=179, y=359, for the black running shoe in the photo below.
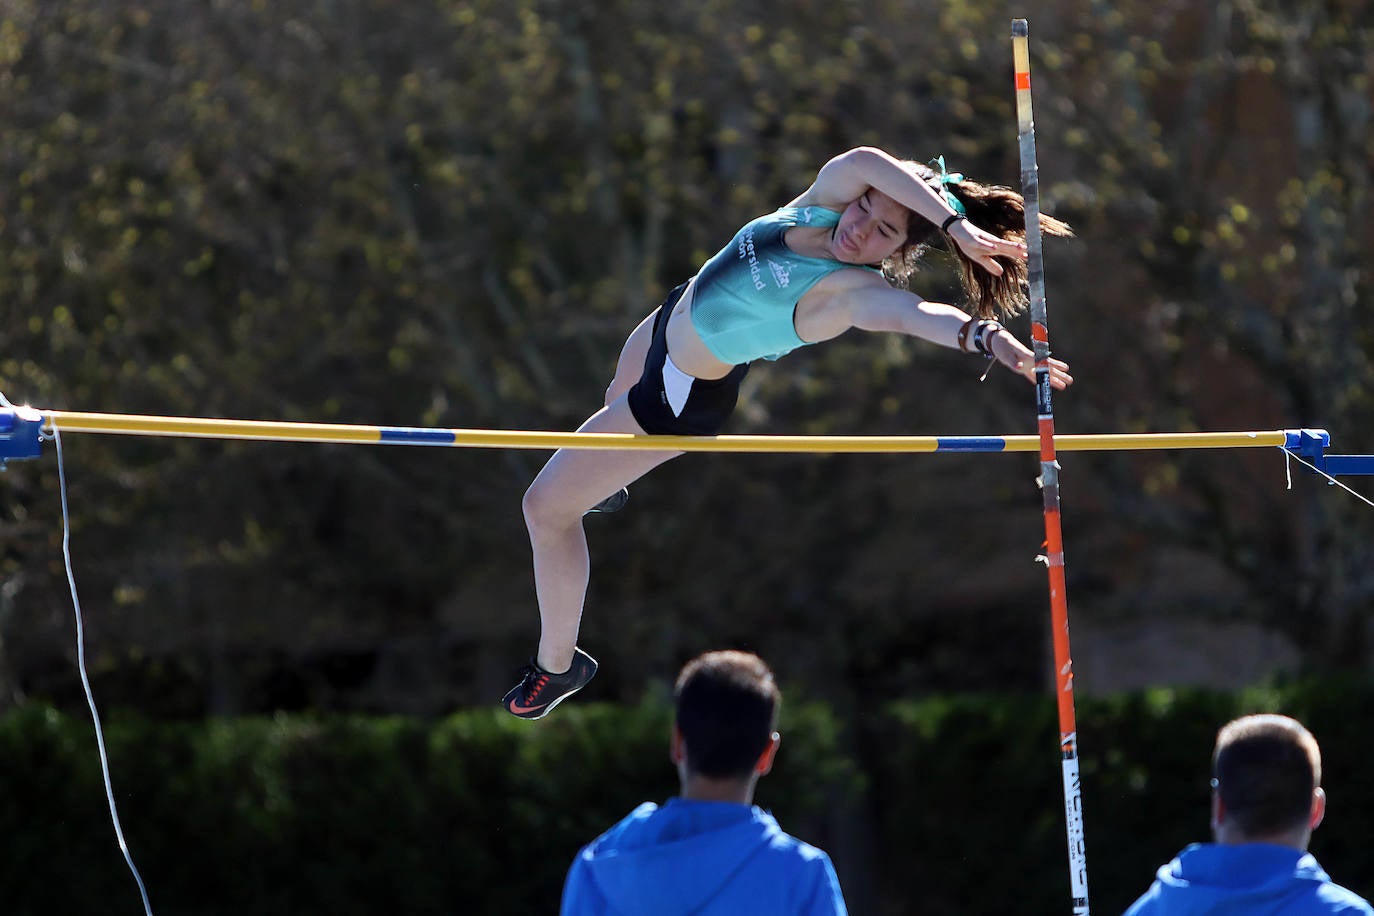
x=613, y=503
x=539, y=691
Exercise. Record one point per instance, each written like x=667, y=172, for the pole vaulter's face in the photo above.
x=870, y=230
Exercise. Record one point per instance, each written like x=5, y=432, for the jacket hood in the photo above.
x=679, y=856
x=1211, y=878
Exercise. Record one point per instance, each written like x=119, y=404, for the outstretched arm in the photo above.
x=848, y=175
x=884, y=308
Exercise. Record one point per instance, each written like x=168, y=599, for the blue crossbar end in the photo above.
x=1309, y=443
x=21, y=433
x=1312, y=445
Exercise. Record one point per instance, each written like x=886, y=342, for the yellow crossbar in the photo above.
x=202, y=427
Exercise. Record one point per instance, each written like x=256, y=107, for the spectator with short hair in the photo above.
x=710, y=850
x=1266, y=801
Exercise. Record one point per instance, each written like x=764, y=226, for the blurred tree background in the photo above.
x=451, y=213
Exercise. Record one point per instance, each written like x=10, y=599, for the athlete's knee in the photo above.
x=532, y=505
x=543, y=509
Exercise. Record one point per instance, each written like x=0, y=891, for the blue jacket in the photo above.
x=1251, y=878
x=700, y=858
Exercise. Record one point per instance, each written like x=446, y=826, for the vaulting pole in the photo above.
x=1049, y=473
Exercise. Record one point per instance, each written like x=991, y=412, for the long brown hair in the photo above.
x=993, y=208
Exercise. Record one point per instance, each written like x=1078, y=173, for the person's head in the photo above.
x=992, y=208
x=1266, y=782
x=727, y=712
x=873, y=228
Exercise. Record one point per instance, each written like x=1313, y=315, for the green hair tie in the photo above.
x=947, y=179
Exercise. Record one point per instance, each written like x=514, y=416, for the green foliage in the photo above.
x=970, y=794
x=349, y=814
x=450, y=214
x=940, y=804
x=1230, y=165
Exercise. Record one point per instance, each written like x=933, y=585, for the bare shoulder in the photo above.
x=840, y=299
x=841, y=288
x=855, y=279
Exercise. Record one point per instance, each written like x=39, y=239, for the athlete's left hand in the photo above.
x=1013, y=354
x=982, y=247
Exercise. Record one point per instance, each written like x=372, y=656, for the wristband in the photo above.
x=944, y=227
x=982, y=336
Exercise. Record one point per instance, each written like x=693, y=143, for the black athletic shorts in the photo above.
x=668, y=402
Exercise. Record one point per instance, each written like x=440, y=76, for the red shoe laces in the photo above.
x=538, y=686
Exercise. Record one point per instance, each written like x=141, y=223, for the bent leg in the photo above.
x=573, y=481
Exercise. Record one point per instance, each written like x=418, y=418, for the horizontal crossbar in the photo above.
x=202, y=427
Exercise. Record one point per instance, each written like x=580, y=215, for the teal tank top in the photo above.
x=746, y=295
